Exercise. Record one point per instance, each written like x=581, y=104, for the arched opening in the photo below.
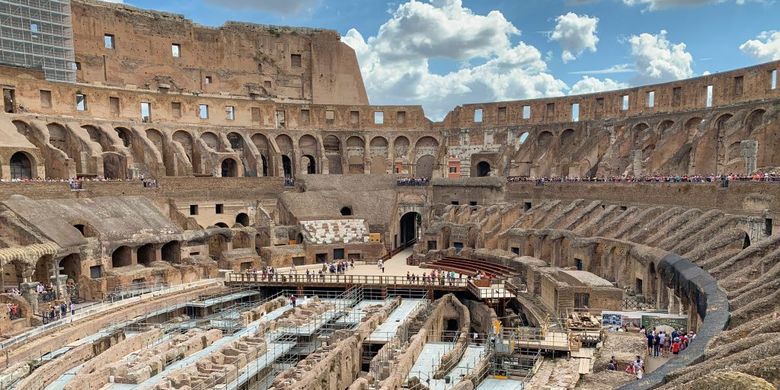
x=21, y=166
x=299, y=238
x=70, y=266
x=753, y=121
x=346, y=211
x=483, y=169
x=356, y=154
x=121, y=257
x=310, y=164
x=229, y=168
x=85, y=229
x=42, y=271
x=287, y=166
x=746, y=241
x=146, y=254
x=242, y=219
x=265, y=165
x=408, y=229
x=424, y=167
x=222, y=225
x=236, y=141
x=125, y=136
x=211, y=140
x=452, y=325
x=523, y=138
x=171, y=252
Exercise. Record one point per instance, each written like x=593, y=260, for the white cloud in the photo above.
x=281, y=7
x=575, y=34
x=619, y=68
x=655, y=5
x=658, y=60
x=766, y=46
x=591, y=84
x=395, y=62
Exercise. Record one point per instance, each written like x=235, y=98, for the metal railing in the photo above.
x=339, y=279
x=96, y=308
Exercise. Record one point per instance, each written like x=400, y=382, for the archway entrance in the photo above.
x=483, y=169
x=146, y=254
x=287, y=166
x=70, y=265
x=229, y=168
x=171, y=252
x=122, y=257
x=242, y=219
x=21, y=167
x=408, y=229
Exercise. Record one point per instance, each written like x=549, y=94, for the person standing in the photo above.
x=292, y=300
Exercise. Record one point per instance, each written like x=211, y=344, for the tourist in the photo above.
x=72, y=309
x=656, y=345
x=612, y=365
x=676, y=346
x=292, y=300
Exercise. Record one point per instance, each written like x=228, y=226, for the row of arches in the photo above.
x=145, y=254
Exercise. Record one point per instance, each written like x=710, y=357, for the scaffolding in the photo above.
x=38, y=34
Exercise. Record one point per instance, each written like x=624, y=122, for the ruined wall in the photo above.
x=237, y=58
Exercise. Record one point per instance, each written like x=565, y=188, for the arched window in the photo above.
x=21, y=167
x=229, y=168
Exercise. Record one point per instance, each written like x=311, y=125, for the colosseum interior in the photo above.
x=159, y=214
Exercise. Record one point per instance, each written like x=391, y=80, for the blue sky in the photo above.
x=441, y=53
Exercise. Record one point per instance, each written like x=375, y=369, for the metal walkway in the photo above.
x=389, y=328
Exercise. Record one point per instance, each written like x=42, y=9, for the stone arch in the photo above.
x=221, y=224
x=332, y=146
x=146, y=254
x=21, y=164
x=408, y=226
x=236, y=141
x=425, y=166
x=692, y=125
x=86, y=229
x=483, y=169
x=378, y=146
x=98, y=137
x=184, y=138
x=41, y=272
x=171, y=252
x=568, y=139
x=71, y=266
x=754, y=120
x=720, y=142
x=121, y=257
x=664, y=126
x=211, y=140
x=426, y=145
x=125, y=135
x=544, y=140
x=242, y=219
x=54, y=160
x=309, y=148
x=356, y=148
x=401, y=146
x=346, y=211
x=157, y=139
x=229, y=168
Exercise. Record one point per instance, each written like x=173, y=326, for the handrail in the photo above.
x=97, y=308
x=339, y=279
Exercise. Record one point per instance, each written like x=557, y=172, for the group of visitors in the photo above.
x=58, y=311
x=660, y=344
x=443, y=277
x=413, y=181
x=655, y=178
x=78, y=183
x=289, y=181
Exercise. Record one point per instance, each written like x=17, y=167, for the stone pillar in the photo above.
x=27, y=288
x=673, y=303
x=637, y=162
x=749, y=151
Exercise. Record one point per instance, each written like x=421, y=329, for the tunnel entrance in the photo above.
x=409, y=223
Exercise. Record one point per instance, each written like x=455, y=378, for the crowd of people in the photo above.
x=757, y=177
x=13, y=311
x=78, y=183
x=57, y=311
x=659, y=345
x=413, y=181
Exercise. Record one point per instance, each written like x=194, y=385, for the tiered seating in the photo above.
x=329, y=231
x=470, y=267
